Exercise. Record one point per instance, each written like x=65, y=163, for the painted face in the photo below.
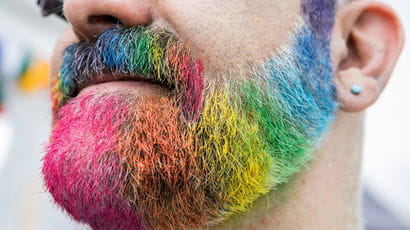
x=195, y=140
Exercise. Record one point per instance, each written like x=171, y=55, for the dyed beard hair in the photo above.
x=120, y=160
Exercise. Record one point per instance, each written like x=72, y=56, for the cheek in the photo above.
x=225, y=33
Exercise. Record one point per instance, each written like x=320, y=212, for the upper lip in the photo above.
x=115, y=77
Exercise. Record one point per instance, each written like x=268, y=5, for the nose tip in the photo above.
x=90, y=18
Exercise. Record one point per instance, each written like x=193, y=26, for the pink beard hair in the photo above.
x=111, y=157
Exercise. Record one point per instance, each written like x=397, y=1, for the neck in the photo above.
x=324, y=196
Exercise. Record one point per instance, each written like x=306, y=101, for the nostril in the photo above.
x=104, y=20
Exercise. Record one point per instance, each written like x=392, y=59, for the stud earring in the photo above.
x=356, y=89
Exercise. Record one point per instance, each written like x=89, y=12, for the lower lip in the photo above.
x=142, y=87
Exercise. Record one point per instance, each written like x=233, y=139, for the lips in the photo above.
x=150, y=56
x=123, y=81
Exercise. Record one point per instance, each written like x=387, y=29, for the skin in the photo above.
x=366, y=42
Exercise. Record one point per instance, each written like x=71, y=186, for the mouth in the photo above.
x=112, y=82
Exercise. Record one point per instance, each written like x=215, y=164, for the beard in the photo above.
x=190, y=159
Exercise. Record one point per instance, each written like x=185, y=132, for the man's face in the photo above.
x=187, y=119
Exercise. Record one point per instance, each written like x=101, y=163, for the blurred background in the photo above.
x=26, y=43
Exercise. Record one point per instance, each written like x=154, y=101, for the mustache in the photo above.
x=136, y=53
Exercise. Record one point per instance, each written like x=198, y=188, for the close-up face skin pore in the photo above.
x=193, y=114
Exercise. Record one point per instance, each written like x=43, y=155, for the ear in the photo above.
x=366, y=44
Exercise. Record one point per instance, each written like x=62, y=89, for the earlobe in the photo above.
x=356, y=92
x=372, y=35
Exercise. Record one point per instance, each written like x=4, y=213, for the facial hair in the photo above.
x=121, y=160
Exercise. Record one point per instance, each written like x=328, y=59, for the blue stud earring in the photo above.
x=356, y=89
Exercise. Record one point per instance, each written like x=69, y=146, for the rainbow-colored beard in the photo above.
x=193, y=158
